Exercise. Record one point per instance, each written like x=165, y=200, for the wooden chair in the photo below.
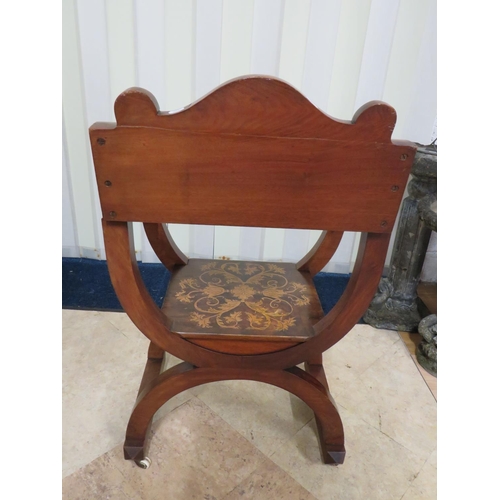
x=254, y=152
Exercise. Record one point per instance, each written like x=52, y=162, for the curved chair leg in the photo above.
x=329, y=426
x=185, y=376
x=315, y=368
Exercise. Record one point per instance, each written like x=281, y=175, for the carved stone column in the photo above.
x=427, y=349
x=395, y=305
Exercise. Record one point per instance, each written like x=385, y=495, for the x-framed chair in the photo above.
x=254, y=152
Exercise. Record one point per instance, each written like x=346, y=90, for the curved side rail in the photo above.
x=351, y=306
x=164, y=245
x=137, y=302
x=139, y=305
x=360, y=289
x=321, y=253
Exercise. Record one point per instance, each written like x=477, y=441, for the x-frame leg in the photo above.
x=310, y=386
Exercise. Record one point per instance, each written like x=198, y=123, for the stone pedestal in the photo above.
x=395, y=306
x=427, y=349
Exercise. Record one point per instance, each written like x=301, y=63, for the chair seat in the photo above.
x=238, y=300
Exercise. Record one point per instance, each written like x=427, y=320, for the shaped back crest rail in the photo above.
x=254, y=152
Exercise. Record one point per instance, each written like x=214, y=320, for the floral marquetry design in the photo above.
x=243, y=292
x=242, y=295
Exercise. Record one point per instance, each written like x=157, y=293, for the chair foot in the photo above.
x=132, y=452
x=334, y=457
x=333, y=454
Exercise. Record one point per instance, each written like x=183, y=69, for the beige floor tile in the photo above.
x=432, y=460
x=350, y=357
x=424, y=487
x=98, y=480
x=376, y=467
x=266, y=415
x=199, y=448
x=102, y=370
x=269, y=482
x=125, y=325
x=168, y=362
x=195, y=455
x=392, y=397
x=360, y=348
x=122, y=322
x=73, y=318
x=411, y=340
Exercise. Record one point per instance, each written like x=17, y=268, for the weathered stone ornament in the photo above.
x=427, y=349
x=395, y=305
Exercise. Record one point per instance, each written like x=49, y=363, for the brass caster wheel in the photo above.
x=144, y=463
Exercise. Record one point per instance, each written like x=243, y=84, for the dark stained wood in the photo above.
x=256, y=106
x=218, y=299
x=317, y=371
x=155, y=352
x=359, y=291
x=139, y=305
x=129, y=288
x=151, y=372
x=270, y=157
x=254, y=152
x=314, y=367
x=135, y=299
x=184, y=376
x=164, y=246
x=243, y=345
x=315, y=359
x=162, y=175
x=321, y=253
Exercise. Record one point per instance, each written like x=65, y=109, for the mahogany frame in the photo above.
x=201, y=365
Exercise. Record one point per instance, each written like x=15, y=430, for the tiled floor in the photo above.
x=412, y=340
x=244, y=439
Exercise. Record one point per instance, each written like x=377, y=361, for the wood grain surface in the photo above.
x=217, y=299
x=254, y=152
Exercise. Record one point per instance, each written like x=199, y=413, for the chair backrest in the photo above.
x=254, y=152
